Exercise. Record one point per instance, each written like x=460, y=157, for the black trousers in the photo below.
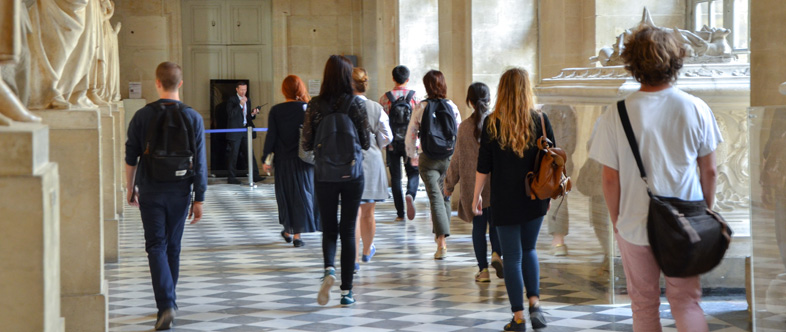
x=237, y=148
x=328, y=198
x=395, y=157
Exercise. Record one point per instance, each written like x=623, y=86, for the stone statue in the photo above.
x=106, y=70
x=11, y=51
x=708, y=45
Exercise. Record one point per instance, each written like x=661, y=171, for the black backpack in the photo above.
x=438, y=129
x=337, y=152
x=400, y=112
x=169, y=144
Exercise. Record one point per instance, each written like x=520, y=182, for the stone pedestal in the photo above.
x=76, y=147
x=109, y=190
x=29, y=241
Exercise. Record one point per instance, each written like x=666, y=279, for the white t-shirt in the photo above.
x=672, y=130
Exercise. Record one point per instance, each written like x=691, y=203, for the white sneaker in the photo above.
x=441, y=253
x=327, y=282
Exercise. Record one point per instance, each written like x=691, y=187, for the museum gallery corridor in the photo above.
x=237, y=274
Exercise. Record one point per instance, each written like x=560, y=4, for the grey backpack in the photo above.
x=337, y=152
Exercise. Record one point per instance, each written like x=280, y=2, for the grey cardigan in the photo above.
x=462, y=170
x=374, y=171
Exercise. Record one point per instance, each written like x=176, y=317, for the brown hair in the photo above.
x=434, y=81
x=653, y=56
x=293, y=88
x=337, y=79
x=511, y=122
x=169, y=74
x=359, y=79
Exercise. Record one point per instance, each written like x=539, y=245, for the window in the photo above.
x=729, y=14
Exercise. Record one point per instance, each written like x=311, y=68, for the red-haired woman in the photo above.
x=294, y=178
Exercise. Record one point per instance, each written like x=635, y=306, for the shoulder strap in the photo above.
x=623, y=111
x=410, y=94
x=390, y=97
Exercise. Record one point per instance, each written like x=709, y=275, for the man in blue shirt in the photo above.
x=165, y=205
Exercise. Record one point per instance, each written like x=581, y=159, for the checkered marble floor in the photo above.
x=237, y=274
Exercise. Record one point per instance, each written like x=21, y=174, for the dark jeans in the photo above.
x=328, y=199
x=237, y=148
x=479, y=225
x=521, y=260
x=395, y=158
x=163, y=218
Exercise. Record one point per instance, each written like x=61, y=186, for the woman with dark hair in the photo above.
x=335, y=94
x=462, y=171
x=676, y=135
x=508, y=150
x=294, y=178
x=432, y=170
x=376, y=178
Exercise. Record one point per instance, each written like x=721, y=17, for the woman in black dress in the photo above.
x=294, y=178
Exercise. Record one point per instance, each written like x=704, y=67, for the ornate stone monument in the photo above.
x=30, y=206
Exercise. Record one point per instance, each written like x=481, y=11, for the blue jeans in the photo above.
x=479, y=225
x=163, y=218
x=518, y=244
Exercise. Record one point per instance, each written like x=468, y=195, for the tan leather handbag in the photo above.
x=548, y=179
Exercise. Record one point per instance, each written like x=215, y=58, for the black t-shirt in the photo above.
x=510, y=204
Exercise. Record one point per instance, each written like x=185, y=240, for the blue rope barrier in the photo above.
x=235, y=130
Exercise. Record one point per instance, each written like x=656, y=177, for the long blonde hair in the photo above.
x=511, y=122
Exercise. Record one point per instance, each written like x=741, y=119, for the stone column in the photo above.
x=109, y=190
x=767, y=49
x=118, y=113
x=455, y=48
x=76, y=147
x=30, y=268
x=380, y=47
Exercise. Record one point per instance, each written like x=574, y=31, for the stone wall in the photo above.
x=767, y=70
x=151, y=34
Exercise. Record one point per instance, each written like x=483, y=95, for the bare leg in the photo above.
x=368, y=226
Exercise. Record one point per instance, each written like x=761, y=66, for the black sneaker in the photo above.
x=536, y=317
x=515, y=326
x=165, y=319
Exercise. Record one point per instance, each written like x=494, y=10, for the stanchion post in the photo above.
x=250, y=157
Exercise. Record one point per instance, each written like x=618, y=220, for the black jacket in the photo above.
x=235, y=117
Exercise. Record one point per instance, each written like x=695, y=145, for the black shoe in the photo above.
x=165, y=319
x=515, y=326
x=233, y=181
x=286, y=238
x=298, y=243
x=259, y=178
x=536, y=317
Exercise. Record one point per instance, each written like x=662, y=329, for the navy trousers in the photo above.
x=163, y=218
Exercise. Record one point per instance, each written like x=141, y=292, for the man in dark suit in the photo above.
x=240, y=115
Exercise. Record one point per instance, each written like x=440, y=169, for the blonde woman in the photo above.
x=375, y=189
x=507, y=151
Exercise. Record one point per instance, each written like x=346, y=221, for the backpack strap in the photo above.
x=410, y=95
x=634, y=146
x=390, y=97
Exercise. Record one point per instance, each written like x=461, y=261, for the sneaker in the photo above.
x=441, y=253
x=516, y=326
x=496, y=263
x=346, y=298
x=561, y=250
x=367, y=258
x=399, y=219
x=357, y=267
x=410, y=207
x=298, y=243
x=482, y=276
x=287, y=238
x=327, y=282
x=536, y=317
x=165, y=319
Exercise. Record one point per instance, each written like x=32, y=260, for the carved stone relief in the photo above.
x=12, y=47
x=732, y=159
x=708, y=45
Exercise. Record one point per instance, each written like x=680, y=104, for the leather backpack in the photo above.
x=548, y=179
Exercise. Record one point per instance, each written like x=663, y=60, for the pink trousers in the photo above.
x=643, y=280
